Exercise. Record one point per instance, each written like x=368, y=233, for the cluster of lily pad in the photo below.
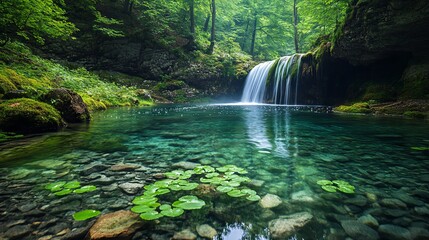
x=333, y=186
x=226, y=179
x=64, y=188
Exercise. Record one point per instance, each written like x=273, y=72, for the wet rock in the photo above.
x=27, y=207
x=116, y=225
x=421, y=193
x=69, y=104
x=66, y=207
x=369, y=221
x=124, y=167
x=371, y=197
x=392, y=203
x=159, y=237
x=267, y=214
x=422, y=210
x=103, y=180
x=34, y=213
x=419, y=233
x=403, y=221
x=270, y=201
x=394, y=212
x=302, y=196
x=406, y=198
x=110, y=188
x=394, y=232
x=357, y=201
x=18, y=231
x=76, y=234
x=185, y=165
x=119, y=204
x=358, y=230
x=286, y=225
x=184, y=235
x=93, y=169
x=14, y=223
x=206, y=231
x=131, y=188
x=256, y=183
x=59, y=227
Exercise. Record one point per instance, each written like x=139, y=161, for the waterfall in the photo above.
x=274, y=82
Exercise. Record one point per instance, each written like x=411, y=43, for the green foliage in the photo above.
x=33, y=20
x=355, y=108
x=85, y=214
x=26, y=115
x=65, y=188
x=336, y=185
x=106, y=26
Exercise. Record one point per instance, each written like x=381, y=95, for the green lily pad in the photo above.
x=142, y=209
x=206, y=180
x=164, y=207
x=86, y=189
x=162, y=183
x=210, y=175
x=203, y=169
x=173, y=212
x=222, y=169
x=144, y=200
x=63, y=192
x=253, y=198
x=231, y=183
x=224, y=189
x=175, y=187
x=85, y=214
x=248, y=191
x=72, y=185
x=236, y=193
x=346, y=189
x=152, y=215
x=174, y=174
x=190, y=186
x=329, y=188
x=324, y=182
x=189, y=202
x=340, y=182
x=54, y=187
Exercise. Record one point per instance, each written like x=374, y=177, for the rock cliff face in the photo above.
x=381, y=53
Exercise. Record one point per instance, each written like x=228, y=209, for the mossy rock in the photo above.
x=355, y=108
x=6, y=85
x=93, y=104
x=25, y=115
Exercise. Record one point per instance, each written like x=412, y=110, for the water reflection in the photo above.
x=241, y=231
x=271, y=131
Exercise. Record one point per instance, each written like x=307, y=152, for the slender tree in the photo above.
x=295, y=26
x=252, y=45
x=213, y=31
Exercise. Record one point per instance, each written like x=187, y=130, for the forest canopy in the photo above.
x=264, y=29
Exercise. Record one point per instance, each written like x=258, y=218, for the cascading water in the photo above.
x=274, y=82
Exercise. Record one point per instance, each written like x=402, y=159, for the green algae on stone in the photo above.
x=85, y=214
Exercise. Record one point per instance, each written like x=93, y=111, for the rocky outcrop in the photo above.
x=285, y=226
x=69, y=104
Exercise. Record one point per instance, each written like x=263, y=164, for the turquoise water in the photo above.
x=285, y=150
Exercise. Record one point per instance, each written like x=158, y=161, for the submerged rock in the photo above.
x=393, y=203
x=285, y=226
x=369, y=220
x=206, y=231
x=184, y=235
x=302, y=196
x=359, y=231
x=131, y=188
x=117, y=225
x=270, y=201
x=394, y=232
x=18, y=231
x=124, y=167
x=185, y=165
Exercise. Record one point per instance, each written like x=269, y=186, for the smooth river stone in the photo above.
x=184, y=235
x=117, y=225
x=392, y=203
x=270, y=201
x=369, y=221
x=285, y=226
x=206, y=231
x=123, y=167
x=185, y=165
x=393, y=232
x=359, y=231
x=131, y=188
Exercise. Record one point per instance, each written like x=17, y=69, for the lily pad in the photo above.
x=174, y=174
x=189, y=202
x=145, y=200
x=248, y=191
x=324, y=182
x=175, y=187
x=329, y=188
x=85, y=214
x=204, y=169
x=55, y=187
x=173, y=212
x=72, y=185
x=86, y=189
x=164, y=207
x=231, y=183
x=152, y=215
x=142, y=209
x=162, y=183
x=224, y=189
x=236, y=193
x=253, y=198
x=210, y=175
x=63, y=192
x=340, y=182
x=190, y=186
x=346, y=189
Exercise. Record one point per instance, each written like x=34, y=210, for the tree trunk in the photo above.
x=252, y=46
x=295, y=28
x=243, y=39
x=213, y=32
x=126, y=6
x=206, y=23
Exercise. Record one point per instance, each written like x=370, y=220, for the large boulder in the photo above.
x=69, y=104
x=25, y=115
x=117, y=225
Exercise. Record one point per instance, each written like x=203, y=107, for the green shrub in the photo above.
x=361, y=107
